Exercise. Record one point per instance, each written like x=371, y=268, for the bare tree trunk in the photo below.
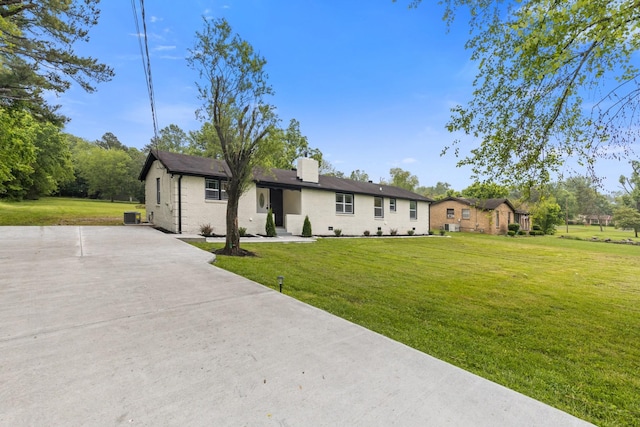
x=232, y=243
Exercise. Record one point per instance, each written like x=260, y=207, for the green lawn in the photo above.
x=556, y=319
x=590, y=231
x=65, y=211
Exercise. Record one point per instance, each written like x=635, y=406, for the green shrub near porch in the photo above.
x=270, y=227
x=306, y=227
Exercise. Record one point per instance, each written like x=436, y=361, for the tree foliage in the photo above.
x=204, y=142
x=438, y=191
x=358, y=175
x=288, y=145
x=37, y=52
x=403, y=179
x=105, y=168
x=106, y=171
x=109, y=141
x=233, y=89
x=171, y=138
x=631, y=186
x=485, y=190
x=555, y=80
x=547, y=214
x=627, y=217
x=34, y=156
x=326, y=168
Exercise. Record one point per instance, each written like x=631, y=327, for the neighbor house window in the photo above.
x=466, y=213
x=344, y=203
x=157, y=191
x=450, y=213
x=378, y=210
x=413, y=209
x=215, y=189
x=392, y=205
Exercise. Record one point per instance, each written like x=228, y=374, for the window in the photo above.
x=157, y=191
x=466, y=213
x=450, y=213
x=215, y=189
x=413, y=209
x=378, y=210
x=497, y=219
x=344, y=203
x=392, y=205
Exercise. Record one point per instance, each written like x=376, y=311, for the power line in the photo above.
x=146, y=61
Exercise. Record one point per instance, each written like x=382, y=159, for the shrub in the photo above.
x=536, y=228
x=511, y=233
x=337, y=232
x=431, y=232
x=366, y=233
x=379, y=232
x=306, y=227
x=515, y=227
x=270, y=227
x=393, y=231
x=442, y=232
x=522, y=233
x=206, y=230
x=242, y=231
x=411, y=232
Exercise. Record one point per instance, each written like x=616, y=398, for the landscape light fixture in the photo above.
x=280, y=281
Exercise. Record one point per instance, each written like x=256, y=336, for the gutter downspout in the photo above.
x=180, y=204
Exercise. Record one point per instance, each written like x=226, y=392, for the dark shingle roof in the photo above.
x=183, y=164
x=484, y=204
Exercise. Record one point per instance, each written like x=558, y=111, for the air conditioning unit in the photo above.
x=132, y=218
x=452, y=227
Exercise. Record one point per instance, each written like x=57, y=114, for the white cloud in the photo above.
x=155, y=19
x=171, y=57
x=162, y=48
x=409, y=160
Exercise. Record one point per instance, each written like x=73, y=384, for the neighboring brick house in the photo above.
x=491, y=216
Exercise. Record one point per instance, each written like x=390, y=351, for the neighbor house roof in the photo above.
x=182, y=164
x=484, y=204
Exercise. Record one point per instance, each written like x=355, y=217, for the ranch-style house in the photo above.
x=185, y=192
x=491, y=216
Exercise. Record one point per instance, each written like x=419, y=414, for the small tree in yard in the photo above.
x=626, y=217
x=270, y=227
x=233, y=89
x=547, y=214
x=306, y=227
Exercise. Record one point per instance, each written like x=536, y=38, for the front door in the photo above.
x=275, y=196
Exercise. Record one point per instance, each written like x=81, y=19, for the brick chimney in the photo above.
x=307, y=170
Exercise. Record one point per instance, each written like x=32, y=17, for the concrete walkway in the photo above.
x=129, y=326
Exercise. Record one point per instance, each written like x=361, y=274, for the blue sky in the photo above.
x=371, y=82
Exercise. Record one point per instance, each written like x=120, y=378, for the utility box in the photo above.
x=452, y=227
x=132, y=217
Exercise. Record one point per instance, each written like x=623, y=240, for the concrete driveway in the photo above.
x=129, y=326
